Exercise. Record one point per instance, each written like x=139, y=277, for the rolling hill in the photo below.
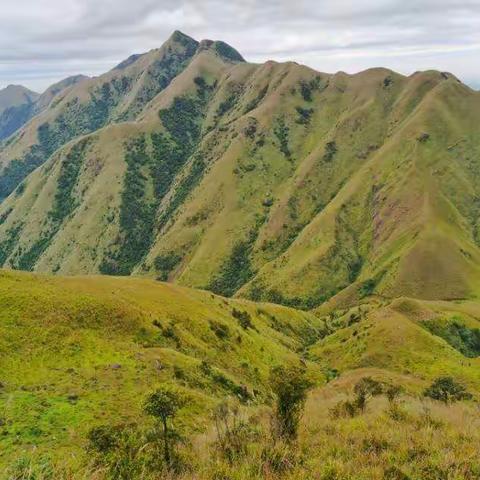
x=83, y=352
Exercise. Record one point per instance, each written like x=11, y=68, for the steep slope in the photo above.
x=117, y=95
x=15, y=116
x=16, y=107
x=78, y=352
x=58, y=88
x=405, y=223
x=272, y=181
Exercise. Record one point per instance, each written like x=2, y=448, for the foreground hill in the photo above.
x=81, y=352
x=273, y=182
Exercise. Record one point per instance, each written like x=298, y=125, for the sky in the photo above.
x=43, y=41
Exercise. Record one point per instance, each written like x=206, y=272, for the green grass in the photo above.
x=77, y=352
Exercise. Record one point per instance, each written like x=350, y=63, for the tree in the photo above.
x=367, y=387
x=446, y=389
x=163, y=405
x=290, y=387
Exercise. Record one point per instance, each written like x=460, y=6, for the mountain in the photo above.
x=353, y=200
x=16, y=95
x=272, y=182
x=27, y=104
x=52, y=91
x=16, y=106
x=115, y=96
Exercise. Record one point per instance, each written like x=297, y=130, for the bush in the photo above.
x=234, y=433
x=343, y=409
x=365, y=389
x=244, y=319
x=446, y=389
x=278, y=457
x=219, y=329
x=330, y=151
x=290, y=387
x=281, y=131
x=304, y=115
x=121, y=451
x=464, y=339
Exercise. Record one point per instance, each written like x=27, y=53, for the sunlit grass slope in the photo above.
x=78, y=352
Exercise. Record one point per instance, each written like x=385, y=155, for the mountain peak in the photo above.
x=18, y=88
x=14, y=95
x=179, y=37
x=222, y=49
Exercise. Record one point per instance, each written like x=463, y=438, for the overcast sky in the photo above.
x=43, y=41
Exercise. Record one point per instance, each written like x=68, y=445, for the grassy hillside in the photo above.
x=115, y=96
x=83, y=351
x=272, y=182
x=14, y=96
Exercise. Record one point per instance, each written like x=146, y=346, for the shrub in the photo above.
x=103, y=439
x=464, y=339
x=367, y=287
x=122, y=451
x=304, y=115
x=281, y=131
x=244, y=319
x=446, y=389
x=219, y=329
x=392, y=392
x=330, y=151
x=278, y=457
x=234, y=433
x=290, y=387
x=236, y=269
x=365, y=389
x=166, y=263
x=343, y=409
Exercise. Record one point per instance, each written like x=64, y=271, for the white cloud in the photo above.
x=46, y=40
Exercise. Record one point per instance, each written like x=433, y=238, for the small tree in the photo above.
x=163, y=405
x=446, y=389
x=290, y=388
x=367, y=387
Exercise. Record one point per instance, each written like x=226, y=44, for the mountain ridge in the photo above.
x=286, y=176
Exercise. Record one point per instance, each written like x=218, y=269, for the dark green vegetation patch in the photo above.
x=464, y=339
